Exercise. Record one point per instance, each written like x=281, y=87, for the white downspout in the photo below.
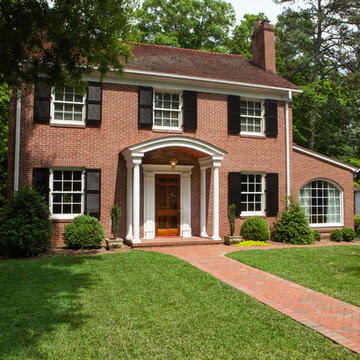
x=287, y=144
x=17, y=141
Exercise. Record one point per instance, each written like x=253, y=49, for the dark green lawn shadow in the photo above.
x=36, y=297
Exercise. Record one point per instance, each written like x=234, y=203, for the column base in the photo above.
x=204, y=235
x=136, y=241
x=128, y=237
x=216, y=238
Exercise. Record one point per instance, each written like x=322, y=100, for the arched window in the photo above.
x=322, y=201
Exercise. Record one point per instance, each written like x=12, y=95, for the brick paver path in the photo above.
x=333, y=318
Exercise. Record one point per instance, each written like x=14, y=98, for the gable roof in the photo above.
x=202, y=64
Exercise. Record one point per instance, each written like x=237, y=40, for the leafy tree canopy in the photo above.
x=241, y=40
x=192, y=24
x=62, y=40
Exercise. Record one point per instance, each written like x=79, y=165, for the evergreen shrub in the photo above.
x=25, y=226
x=255, y=228
x=84, y=232
x=336, y=235
x=357, y=225
x=348, y=234
x=316, y=235
x=292, y=225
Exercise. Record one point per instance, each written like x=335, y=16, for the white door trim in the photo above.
x=150, y=170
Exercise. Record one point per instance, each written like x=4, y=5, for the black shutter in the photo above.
x=234, y=114
x=234, y=191
x=92, y=192
x=42, y=96
x=272, y=194
x=94, y=104
x=271, y=115
x=40, y=181
x=145, y=119
x=190, y=110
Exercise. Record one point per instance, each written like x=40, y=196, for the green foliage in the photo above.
x=4, y=114
x=348, y=234
x=191, y=24
x=357, y=225
x=255, y=228
x=241, y=40
x=62, y=41
x=115, y=220
x=252, y=243
x=316, y=235
x=292, y=225
x=84, y=232
x=336, y=235
x=25, y=228
x=231, y=216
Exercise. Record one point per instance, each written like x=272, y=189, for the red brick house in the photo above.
x=179, y=137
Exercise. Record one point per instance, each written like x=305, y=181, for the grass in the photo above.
x=332, y=270
x=140, y=305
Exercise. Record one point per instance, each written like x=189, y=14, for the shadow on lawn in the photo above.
x=37, y=297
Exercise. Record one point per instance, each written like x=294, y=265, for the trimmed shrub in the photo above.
x=348, y=234
x=25, y=227
x=292, y=225
x=357, y=225
x=316, y=235
x=252, y=243
x=255, y=228
x=115, y=220
x=231, y=216
x=84, y=232
x=336, y=235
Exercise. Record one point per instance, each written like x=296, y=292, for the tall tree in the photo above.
x=62, y=40
x=318, y=42
x=191, y=24
x=241, y=40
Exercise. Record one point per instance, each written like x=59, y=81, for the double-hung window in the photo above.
x=252, y=194
x=68, y=107
x=167, y=110
x=251, y=117
x=66, y=193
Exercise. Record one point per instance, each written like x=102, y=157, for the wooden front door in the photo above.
x=167, y=205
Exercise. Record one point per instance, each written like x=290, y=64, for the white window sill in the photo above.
x=167, y=128
x=252, y=134
x=326, y=225
x=63, y=216
x=252, y=213
x=77, y=123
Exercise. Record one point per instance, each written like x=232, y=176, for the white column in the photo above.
x=129, y=204
x=203, y=202
x=216, y=202
x=136, y=203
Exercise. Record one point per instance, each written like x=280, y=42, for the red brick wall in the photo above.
x=49, y=145
x=305, y=168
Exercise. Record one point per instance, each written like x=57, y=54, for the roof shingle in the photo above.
x=228, y=67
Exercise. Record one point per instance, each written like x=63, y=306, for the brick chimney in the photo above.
x=263, y=46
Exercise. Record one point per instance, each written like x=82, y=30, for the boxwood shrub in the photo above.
x=336, y=235
x=255, y=228
x=25, y=227
x=348, y=234
x=84, y=232
x=316, y=235
x=292, y=225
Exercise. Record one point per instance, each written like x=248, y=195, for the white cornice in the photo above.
x=326, y=159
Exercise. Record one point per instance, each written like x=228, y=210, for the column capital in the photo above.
x=133, y=158
x=210, y=161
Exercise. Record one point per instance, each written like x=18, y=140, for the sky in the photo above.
x=268, y=7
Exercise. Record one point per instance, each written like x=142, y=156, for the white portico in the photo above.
x=167, y=189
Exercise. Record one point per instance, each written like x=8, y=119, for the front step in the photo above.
x=174, y=242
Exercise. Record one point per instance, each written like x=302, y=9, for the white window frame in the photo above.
x=51, y=184
x=255, y=213
x=262, y=118
x=326, y=225
x=66, y=122
x=180, y=111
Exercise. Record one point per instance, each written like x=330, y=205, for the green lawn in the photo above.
x=332, y=270
x=140, y=305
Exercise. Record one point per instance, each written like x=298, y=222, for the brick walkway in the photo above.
x=333, y=318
